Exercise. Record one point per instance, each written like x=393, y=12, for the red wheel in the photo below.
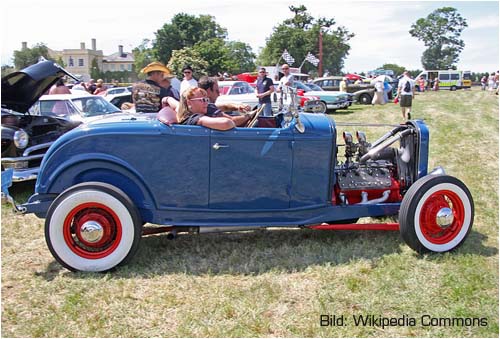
x=92, y=227
x=436, y=214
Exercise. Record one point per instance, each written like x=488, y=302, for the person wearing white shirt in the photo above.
x=406, y=93
x=188, y=80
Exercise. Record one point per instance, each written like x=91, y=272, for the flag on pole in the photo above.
x=287, y=57
x=312, y=59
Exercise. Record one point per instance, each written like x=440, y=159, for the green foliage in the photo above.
x=395, y=68
x=6, y=69
x=440, y=32
x=231, y=57
x=188, y=56
x=300, y=35
x=95, y=72
x=185, y=31
x=241, y=57
x=143, y=55
x=30, y=56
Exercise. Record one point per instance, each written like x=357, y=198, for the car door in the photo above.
x=250, y=168
x=178, y=171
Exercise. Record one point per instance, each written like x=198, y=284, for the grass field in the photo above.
x=277, y=283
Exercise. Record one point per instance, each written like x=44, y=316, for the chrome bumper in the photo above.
x=21, y=171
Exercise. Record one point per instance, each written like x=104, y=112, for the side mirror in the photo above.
x=300, y=92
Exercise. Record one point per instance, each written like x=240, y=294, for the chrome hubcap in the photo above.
x=91, y=231
x=444, y=217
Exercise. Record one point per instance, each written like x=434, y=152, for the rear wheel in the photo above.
x=365, y=99
x=322, y=107
x=92, y=227
x=436, y=214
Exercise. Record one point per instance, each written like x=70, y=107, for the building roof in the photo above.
x=117, y=57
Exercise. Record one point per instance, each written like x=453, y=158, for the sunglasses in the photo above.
x=205, y=99
x=187, y=72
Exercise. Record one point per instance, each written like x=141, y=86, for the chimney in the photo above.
x=93, y=44
x=82, y=45
x=120, y=50
x=25, y=45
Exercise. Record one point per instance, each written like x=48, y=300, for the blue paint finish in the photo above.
x=423, y=152
x=194, y=176
x=250, y=168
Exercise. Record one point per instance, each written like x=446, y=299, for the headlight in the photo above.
x=21, y=139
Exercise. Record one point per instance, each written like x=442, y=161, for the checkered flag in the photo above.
x=312, y=59
x=287, y=57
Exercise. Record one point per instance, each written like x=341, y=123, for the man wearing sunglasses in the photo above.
x=188, y=80
x=263, y=91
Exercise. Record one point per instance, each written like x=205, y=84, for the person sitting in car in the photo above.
x=193, y=108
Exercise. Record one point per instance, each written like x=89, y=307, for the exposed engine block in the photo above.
x=376, y=175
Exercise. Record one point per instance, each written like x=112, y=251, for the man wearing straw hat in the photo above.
x=147, y=94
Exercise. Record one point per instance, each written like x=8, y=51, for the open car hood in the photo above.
x=21, y=89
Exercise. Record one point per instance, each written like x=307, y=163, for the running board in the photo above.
x=356, y=227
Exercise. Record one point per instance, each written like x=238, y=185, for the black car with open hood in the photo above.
x=26, y=137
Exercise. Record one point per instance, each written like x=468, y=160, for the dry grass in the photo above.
x=277, y=283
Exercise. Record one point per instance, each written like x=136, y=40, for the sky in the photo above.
x=380, y=27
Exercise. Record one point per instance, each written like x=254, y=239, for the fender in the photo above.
x=102, y=168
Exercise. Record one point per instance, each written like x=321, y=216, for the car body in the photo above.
x=332, y=100
x=244, y=93
x=238, y=92
x=314, y=87
x=362, y=93
x=117, y=90
x=97, y=190
x=80, y=106
x=26, y=137
x=119, y=99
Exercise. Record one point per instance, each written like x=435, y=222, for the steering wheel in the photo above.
x=253, y=122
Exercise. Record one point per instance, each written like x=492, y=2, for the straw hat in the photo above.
x=155, y=66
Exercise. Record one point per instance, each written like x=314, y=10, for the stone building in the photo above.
x=81, y=62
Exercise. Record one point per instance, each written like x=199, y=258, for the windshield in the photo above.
x=94, y=105
x=237, y=88
x=314, y=87
x=80, y=107
x=301, y=86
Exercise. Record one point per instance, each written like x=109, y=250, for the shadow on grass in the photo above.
x=263, y=251
x=259, y=252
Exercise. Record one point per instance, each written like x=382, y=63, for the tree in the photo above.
x=221, y=56
x=6, y=69
x=188, y=56
x=440, y=32
x=393, y=67
x=143, y=55
x=185, y=31
x=30, y=56
x=300, y=35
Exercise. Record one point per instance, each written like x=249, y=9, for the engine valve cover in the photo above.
x=371, y=177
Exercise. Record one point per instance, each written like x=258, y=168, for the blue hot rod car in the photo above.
x=98, y=186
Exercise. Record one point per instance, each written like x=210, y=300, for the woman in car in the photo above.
x=193, y=108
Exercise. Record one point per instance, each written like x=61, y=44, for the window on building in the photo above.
x=112, y=66
x=130, y=67
x=71, y=63
x=122, y=67
x=80, y=62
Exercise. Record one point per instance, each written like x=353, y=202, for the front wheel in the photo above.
x=92, y=227
x=436, y=214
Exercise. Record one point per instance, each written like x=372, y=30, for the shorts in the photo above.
x=405, y=101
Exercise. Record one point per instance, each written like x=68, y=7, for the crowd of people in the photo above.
x=193, y=102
